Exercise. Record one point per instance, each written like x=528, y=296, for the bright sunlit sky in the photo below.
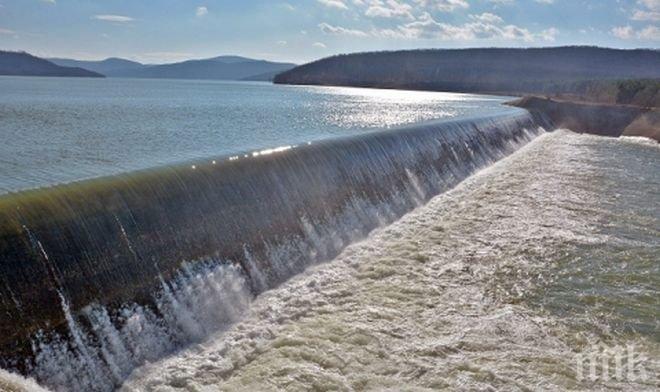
x=303, y=30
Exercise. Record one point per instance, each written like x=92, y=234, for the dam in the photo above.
x=103, y=275
x=245, y=236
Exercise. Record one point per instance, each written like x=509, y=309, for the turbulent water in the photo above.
x=507, y=282
x=56, y=130
x=501, y=284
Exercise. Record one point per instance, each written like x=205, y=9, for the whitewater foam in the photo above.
x=11, y=382
x=640, y=140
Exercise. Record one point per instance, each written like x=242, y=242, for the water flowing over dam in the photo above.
x=103, y=275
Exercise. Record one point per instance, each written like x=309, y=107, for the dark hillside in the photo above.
x=488, y=70
x=24, y=64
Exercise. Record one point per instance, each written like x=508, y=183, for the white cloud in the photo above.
x=337, y=30
x=444, y=5
x=623, y=32
x=650, y=4
x=282, y=43
x=651, y=33
x=549, y=34
x=501, y=2
x=651, y=13
x=319, y=45
x=512, y=32
x=487, y=17
x=6, y=31
x=646, y=15
x=201, y=11
x=421, y=22
x=481, y=27
x=545, y=1
x=113, y=18
x=389, y=9
x=485, y=26
x=48, y=1
x=339, y=4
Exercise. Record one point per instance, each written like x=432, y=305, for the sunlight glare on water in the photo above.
x=60, y=130
x=355, y=107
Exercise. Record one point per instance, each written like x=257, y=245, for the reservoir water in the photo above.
x=296, y=238
x=56, y=130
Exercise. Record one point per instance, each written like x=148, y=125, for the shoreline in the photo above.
x=611, y=120
x=581, y=116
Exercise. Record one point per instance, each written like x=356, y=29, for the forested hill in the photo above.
x=488, y=70
x=24, y=64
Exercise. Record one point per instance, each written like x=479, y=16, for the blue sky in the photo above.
x=303, y=30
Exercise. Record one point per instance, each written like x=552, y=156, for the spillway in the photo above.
x=103, y=275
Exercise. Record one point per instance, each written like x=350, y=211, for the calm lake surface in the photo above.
x=57, y=130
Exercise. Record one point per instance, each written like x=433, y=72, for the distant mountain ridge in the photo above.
x=216, y=68
x=487, y=70
x=105, y=67
x=25, y=64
